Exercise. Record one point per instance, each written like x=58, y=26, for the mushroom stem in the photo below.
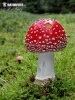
x=19, y=61
x=46, y=66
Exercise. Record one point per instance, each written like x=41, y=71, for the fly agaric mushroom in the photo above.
x=19, y=59
x=45, y=36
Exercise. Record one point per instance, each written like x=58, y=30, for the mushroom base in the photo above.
x=45, y=70
x=42, y=83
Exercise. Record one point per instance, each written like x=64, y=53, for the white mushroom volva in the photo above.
x=45, y=36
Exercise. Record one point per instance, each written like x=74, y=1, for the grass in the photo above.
x=15, y=81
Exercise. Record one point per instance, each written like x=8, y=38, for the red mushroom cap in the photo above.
x=46, y=35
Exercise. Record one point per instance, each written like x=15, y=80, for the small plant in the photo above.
x=2, y=41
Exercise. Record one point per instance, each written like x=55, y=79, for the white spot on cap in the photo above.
x=31, y=29
x=31, y=37
x=47, y=43
x=27, y=39
x=50, y=32
x=43, y=46
x=47, y=48
x=47, y=36
x=34, y=40
x=40, y=37
x=30, y=42
x=53, y=28
x=28, y=35
x=58, y=40
x=44, y=35
x=43, y=41
x=62, y=34
x=50, y=42
x=51, y=46
x=63, y=30
x=59, y=31
x=54, y=49
x=36, y=34
x=46, y=39
x=34, y=31
x=53, y=38
x=42, y=31
x=61, y=38
x=43, y=50
x=43, y=26
x=55, y=43
x=56, y=25
x=55, y=32
x=39, y=42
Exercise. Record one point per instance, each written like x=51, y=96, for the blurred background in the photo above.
x=43, y=6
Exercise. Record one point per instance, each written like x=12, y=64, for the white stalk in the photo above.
x=45, y=66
